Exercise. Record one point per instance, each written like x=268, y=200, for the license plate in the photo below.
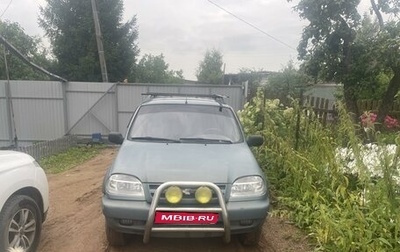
x=186, y=218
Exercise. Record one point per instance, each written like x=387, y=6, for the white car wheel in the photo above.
x=20, y=224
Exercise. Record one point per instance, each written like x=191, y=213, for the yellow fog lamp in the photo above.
x=203, y=195
x=173, y=194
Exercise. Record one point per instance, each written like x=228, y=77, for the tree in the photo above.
x=338, y=45
x=69, y=25
x=30, y=47
x=388, y=45
x=210, y=69
x=327, y=41
x=254, y=79
x=154, y=69
x=286, y=84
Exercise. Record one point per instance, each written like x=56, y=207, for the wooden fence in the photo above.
x=373, y=106
x=325, y=111
x=321, y=109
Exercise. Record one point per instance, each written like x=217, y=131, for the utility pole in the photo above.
x=223, y=75
x=10, y=110
x=100, y=49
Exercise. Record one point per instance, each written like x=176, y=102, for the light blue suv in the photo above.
x=184, y=169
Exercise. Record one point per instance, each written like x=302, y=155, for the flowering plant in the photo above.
x=368, y=120
x=391, y=123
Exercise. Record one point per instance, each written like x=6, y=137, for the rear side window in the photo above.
x=183, y=121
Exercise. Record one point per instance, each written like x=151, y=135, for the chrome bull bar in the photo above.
x=149, y=228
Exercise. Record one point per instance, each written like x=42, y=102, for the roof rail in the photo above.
x=216, y=97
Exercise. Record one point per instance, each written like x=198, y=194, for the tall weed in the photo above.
x=342, y=209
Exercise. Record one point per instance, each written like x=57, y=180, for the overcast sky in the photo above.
x=182, y=30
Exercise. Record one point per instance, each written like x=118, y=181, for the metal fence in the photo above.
x=36, y=111
x=48, y=148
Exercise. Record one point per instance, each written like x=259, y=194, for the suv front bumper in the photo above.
x=131, y=217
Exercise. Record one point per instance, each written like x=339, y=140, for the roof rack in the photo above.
x=216, y=97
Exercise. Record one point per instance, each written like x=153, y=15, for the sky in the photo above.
x=183, y=30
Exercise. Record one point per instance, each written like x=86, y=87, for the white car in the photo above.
x=24, y=201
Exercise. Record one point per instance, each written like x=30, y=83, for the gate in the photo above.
x=47, y=110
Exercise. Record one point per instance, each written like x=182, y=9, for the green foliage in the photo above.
x=326, y=44
x=339, y=46
x=328, y=36
x=210, y=69
x=285, y=84
x=70, y=26
x=253, y=77
x=69, y=159
x=375, y=54
x=389, y=6
x=154, y=69
x=342, y=209
x=30, y=47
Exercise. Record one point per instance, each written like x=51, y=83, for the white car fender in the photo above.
x=18, y=171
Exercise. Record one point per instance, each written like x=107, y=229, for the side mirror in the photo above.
x=255, y=140
x=115, y=137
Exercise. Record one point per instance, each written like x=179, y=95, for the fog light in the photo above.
x=203, y=195
x=126, y=222
x=173, y=194
x=129, y=222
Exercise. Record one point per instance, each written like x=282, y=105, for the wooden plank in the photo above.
x=325, y=113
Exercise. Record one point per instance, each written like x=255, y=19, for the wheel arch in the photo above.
x=33, y=193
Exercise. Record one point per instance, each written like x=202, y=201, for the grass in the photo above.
x=341, y=211
x=72, y=157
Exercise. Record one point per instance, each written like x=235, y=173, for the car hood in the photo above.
x=160, y=162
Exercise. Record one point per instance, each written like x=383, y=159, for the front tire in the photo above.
x=115, y=238
x=20, y=224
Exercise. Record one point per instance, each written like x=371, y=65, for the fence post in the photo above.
x=65, y=106
x=296, y=146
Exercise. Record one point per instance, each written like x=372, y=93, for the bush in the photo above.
x=342, y=209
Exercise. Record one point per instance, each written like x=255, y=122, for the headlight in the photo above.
x=124, y=185
x=248, y=186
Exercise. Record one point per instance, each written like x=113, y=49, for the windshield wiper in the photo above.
x=155, y=139
x=208, y=140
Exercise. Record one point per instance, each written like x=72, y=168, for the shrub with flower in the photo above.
x=391, y=123
x=368, y=120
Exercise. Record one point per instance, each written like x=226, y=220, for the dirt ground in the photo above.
x=75, y=221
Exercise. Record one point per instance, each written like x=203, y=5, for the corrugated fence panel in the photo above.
x=90, y=108
x=47, y=110
x=163, y=88
x=37, y=89
x=193, y=89
x=235, y=95
x=38, y=110
x=129, y=98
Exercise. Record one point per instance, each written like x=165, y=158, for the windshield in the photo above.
x=171, y=122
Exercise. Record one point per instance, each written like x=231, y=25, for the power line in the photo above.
x=4, y=11
x=253, y=26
